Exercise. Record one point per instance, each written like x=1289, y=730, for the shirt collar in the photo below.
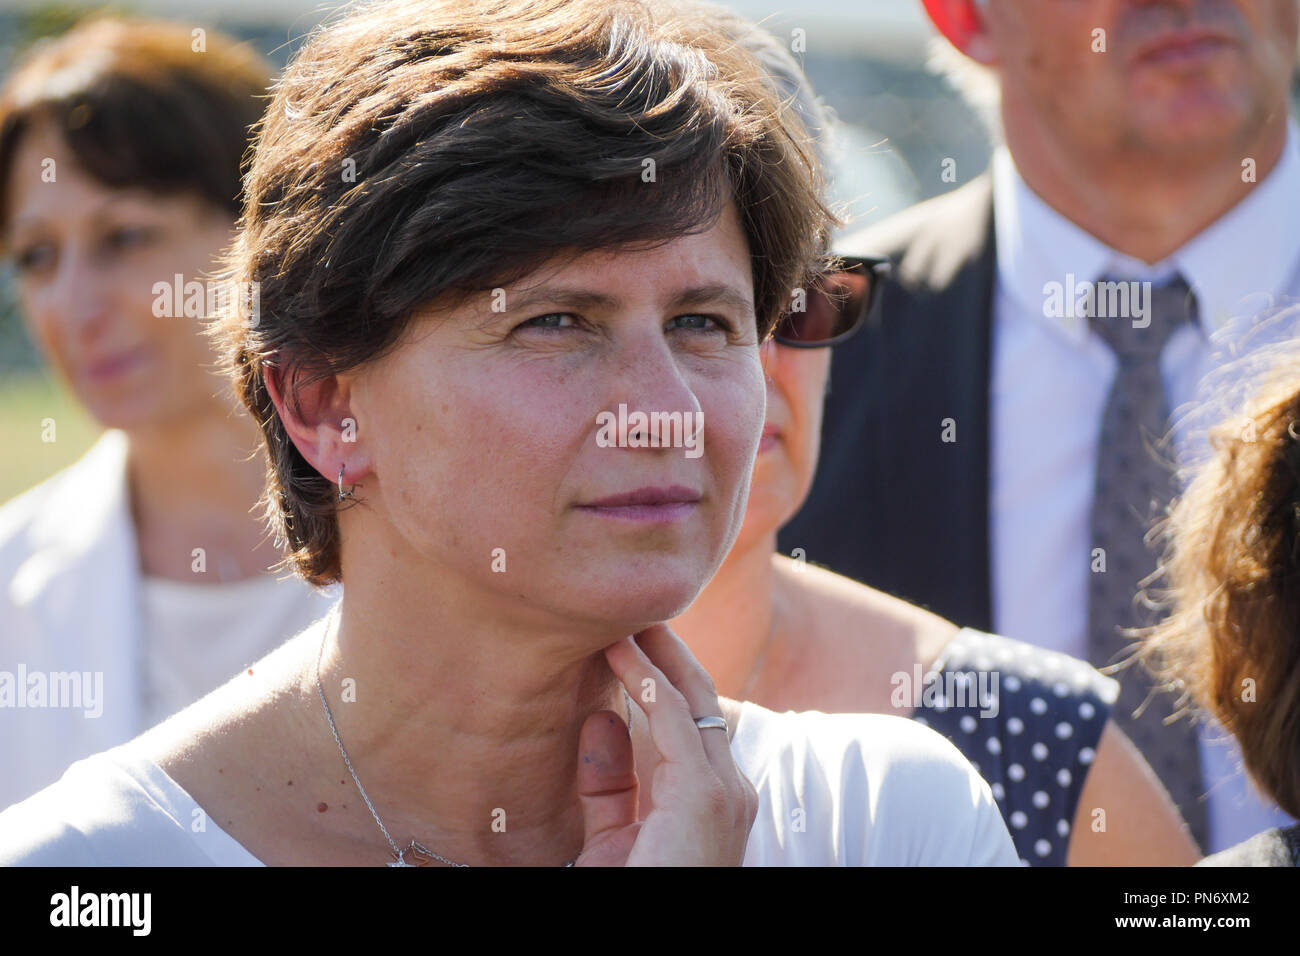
x=1237, y=265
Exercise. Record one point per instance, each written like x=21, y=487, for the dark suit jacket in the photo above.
x=893, y=504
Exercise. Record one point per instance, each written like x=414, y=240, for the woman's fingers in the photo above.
x=679, y=665
x=703, y=807
x=607, y=789
x=674, y=733
x=670, y=654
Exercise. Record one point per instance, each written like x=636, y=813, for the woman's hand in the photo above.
x=703, y=807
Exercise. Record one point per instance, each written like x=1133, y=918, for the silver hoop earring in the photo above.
x=344, y=495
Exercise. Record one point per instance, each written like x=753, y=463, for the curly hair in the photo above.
x=1231, y=643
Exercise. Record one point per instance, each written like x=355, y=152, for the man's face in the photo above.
x=1109, y=77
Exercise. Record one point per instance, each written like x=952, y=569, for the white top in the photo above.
x=214, y=631
x=834, y=790
x=1051, y=377
x=81, y=668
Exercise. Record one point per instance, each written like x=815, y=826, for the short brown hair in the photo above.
x=1233, y=576
x=422, y=150
x=138, y=107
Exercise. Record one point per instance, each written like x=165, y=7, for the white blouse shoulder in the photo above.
x=864, y=790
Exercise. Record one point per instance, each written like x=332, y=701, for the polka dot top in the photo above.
x=1029, y=719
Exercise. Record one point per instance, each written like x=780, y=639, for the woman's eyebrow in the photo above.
x=559, y=295
x=719, y=292
x=104, y=205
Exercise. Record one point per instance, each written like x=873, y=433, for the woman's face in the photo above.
x=88, y=258
x=490, y=428
x=787, y=457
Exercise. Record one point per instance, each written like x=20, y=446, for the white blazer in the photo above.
x=71, y=664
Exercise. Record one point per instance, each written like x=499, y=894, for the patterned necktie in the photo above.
x=1133, y=487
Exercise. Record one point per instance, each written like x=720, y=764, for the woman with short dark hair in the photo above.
x=139, y=569
x=481, y=229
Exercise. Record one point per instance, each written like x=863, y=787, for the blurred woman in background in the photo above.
x=138, y=573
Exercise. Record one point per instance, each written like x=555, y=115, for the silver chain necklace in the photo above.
x=415, y=848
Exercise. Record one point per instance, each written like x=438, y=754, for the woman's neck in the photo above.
x=193, y=484
x=733, y=624
x=463, y=726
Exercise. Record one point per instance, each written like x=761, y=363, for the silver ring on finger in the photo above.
x=712, y=723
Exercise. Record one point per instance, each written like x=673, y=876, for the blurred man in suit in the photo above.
x=987, y=444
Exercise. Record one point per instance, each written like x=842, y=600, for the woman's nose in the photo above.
x=650, y=378
x=77, y=297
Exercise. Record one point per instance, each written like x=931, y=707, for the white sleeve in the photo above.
x=30, y=835
x=95, y=815
x=923, y=803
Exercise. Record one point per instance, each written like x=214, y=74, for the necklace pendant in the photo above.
x=418, y=853
x=422, y=854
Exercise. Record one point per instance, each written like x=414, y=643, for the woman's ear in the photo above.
x=320, y=423
x=964, y=23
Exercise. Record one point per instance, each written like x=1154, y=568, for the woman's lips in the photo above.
x=771, y=435
x=107, y=370
x=654, y=505
x=655, y=514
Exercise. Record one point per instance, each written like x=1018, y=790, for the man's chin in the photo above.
x=1191, y=117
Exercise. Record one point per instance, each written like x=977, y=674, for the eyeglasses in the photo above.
x=836, y=306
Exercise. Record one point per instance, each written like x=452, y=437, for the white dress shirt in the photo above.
x=1051, y=378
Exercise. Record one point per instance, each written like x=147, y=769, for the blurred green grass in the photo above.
x=27, y=398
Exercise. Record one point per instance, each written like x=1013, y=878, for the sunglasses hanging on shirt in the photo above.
x=837, y=305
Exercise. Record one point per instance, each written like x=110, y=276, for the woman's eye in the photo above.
x=701, y=323
x=127, y=237
x=552, y=320
x=34, y=257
